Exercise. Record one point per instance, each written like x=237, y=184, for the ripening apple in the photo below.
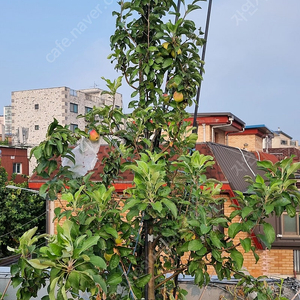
x=165, y=45
x=178, y=52
x=94, y=135
x=178, y=96
x=166, y=98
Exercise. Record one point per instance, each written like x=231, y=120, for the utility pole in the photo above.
x=195, y=130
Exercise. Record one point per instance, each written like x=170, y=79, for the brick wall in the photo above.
x=272, y=262
x=255, y=143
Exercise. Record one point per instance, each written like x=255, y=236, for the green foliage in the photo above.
x=101, y=248
x=272, y=195
x=5, y=142
x=20, y=211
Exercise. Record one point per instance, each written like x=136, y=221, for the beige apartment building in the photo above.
x=34, y=110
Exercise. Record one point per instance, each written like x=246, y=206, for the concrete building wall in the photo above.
x=36, y=109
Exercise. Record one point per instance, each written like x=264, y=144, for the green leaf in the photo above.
x=171, y=206
x=74, y=278
x=89, y=242
x=111, y=231
x=246, y=244
x=167, y=232
x=130, y=204
x=246, y=211
x=269, y=232
x=114, y=279
x=237, y=258
x=167, y=62
x=124, y=251
x=142, y=281
x=205, y=229
x=259, y=179
x=234, y=229
x=41, y=264
x=52, y=288
x=98, y=279
x=114, y=261
x=269, y=209
x=199, y=276
x=56, y=249
x=98, y=262
x=157, y=206
x=195, y=245
x=216, y=240
x=216, y=255
x=194, y=265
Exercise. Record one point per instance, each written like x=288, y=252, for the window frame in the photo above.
x=87, y=109
x=297, y=232
x=36, y=127
x=17, y=167
x=282, y=241
x=74, y=107
x=36, y=106
x=73, y=127
x=73, y=93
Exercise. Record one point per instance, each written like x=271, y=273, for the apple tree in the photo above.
x=135, y=245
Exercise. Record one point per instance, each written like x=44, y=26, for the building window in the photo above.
x=290, y=226
x=283, y=142
x=87, y=109
x=73, y=93
x=73, y=127
x=293, y=143
x=117, y=106
x=17, y=168
x=74, y=107
x=36, y=106
x=36, y=127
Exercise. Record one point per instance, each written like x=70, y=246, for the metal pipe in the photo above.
x=219, y=126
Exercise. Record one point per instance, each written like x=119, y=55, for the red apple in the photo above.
x=178, y=96
x=94, y=135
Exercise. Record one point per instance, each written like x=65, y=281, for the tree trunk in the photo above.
x=151, y=261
